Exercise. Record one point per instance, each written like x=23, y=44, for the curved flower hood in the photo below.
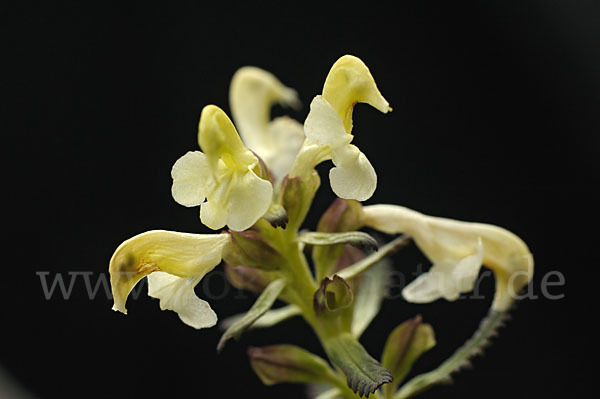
x=457, y=250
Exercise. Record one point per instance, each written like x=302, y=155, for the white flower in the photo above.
x=328, y=129
x=446, y=279
x=457, y=250
x=252, y=93
x=174, y=263
x=225, y=174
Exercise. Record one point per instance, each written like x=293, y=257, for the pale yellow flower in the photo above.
x=328, y=129
x=174, y=263
x=457, y=250
x=223, y=178
x=252, y=93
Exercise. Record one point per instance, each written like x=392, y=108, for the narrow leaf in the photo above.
x=374, y=258
x=262, y=304
x=458, y=360
x=370, y=292
x=269, y=319
x=364, y=375
x=330, y=394
x=357, y=239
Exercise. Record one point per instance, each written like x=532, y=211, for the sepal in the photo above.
x=247, y=278
x=249, y=249
x=341, y=216
x=288, y=363
x=297, y=194
x=276, y=216
x=404, y=346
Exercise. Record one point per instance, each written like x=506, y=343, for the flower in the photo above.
x=329, y=126
x=174, y=263
x=251, y=94
x=225, y=174
x=457, y=250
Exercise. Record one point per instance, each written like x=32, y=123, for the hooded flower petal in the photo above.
x=177, y=294
x=329, y=125
x=180, y=254
x=224, y=174
x=350, y=82
x=456, y=250
x=252, y=93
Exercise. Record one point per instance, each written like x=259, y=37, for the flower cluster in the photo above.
x=256, y=179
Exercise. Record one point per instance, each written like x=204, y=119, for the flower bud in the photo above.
x=342, y=215
x=297, y=194
x=333, y=295
x=247, y=278
x=404, y=346
x=287, y=363
x=249, y=249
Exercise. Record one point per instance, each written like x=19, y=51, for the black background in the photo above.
x=495, y=120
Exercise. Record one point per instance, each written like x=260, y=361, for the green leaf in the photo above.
x=269, y=319
x=404, y=346
x=262, y=304
x=333, y=393
x=364, y=375
x=364, y=264
x=357, y=239
x=370, y=290
x=288, y=363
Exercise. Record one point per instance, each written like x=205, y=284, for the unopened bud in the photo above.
x=288, y=363
x=249, y=249
x=333, y=295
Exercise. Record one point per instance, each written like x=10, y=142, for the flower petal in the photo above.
x=218, y=139
x=466, y=270
x=349, y=82
x=425, y=288
x=249, y=200
x=190, y=175
x=355, y=179
x=177, y=294
x=180, y=254
x=252, y=93
x=287, y=136
x=324, y=126
x=213, y=214
x=446, y=279
x=446, y=240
